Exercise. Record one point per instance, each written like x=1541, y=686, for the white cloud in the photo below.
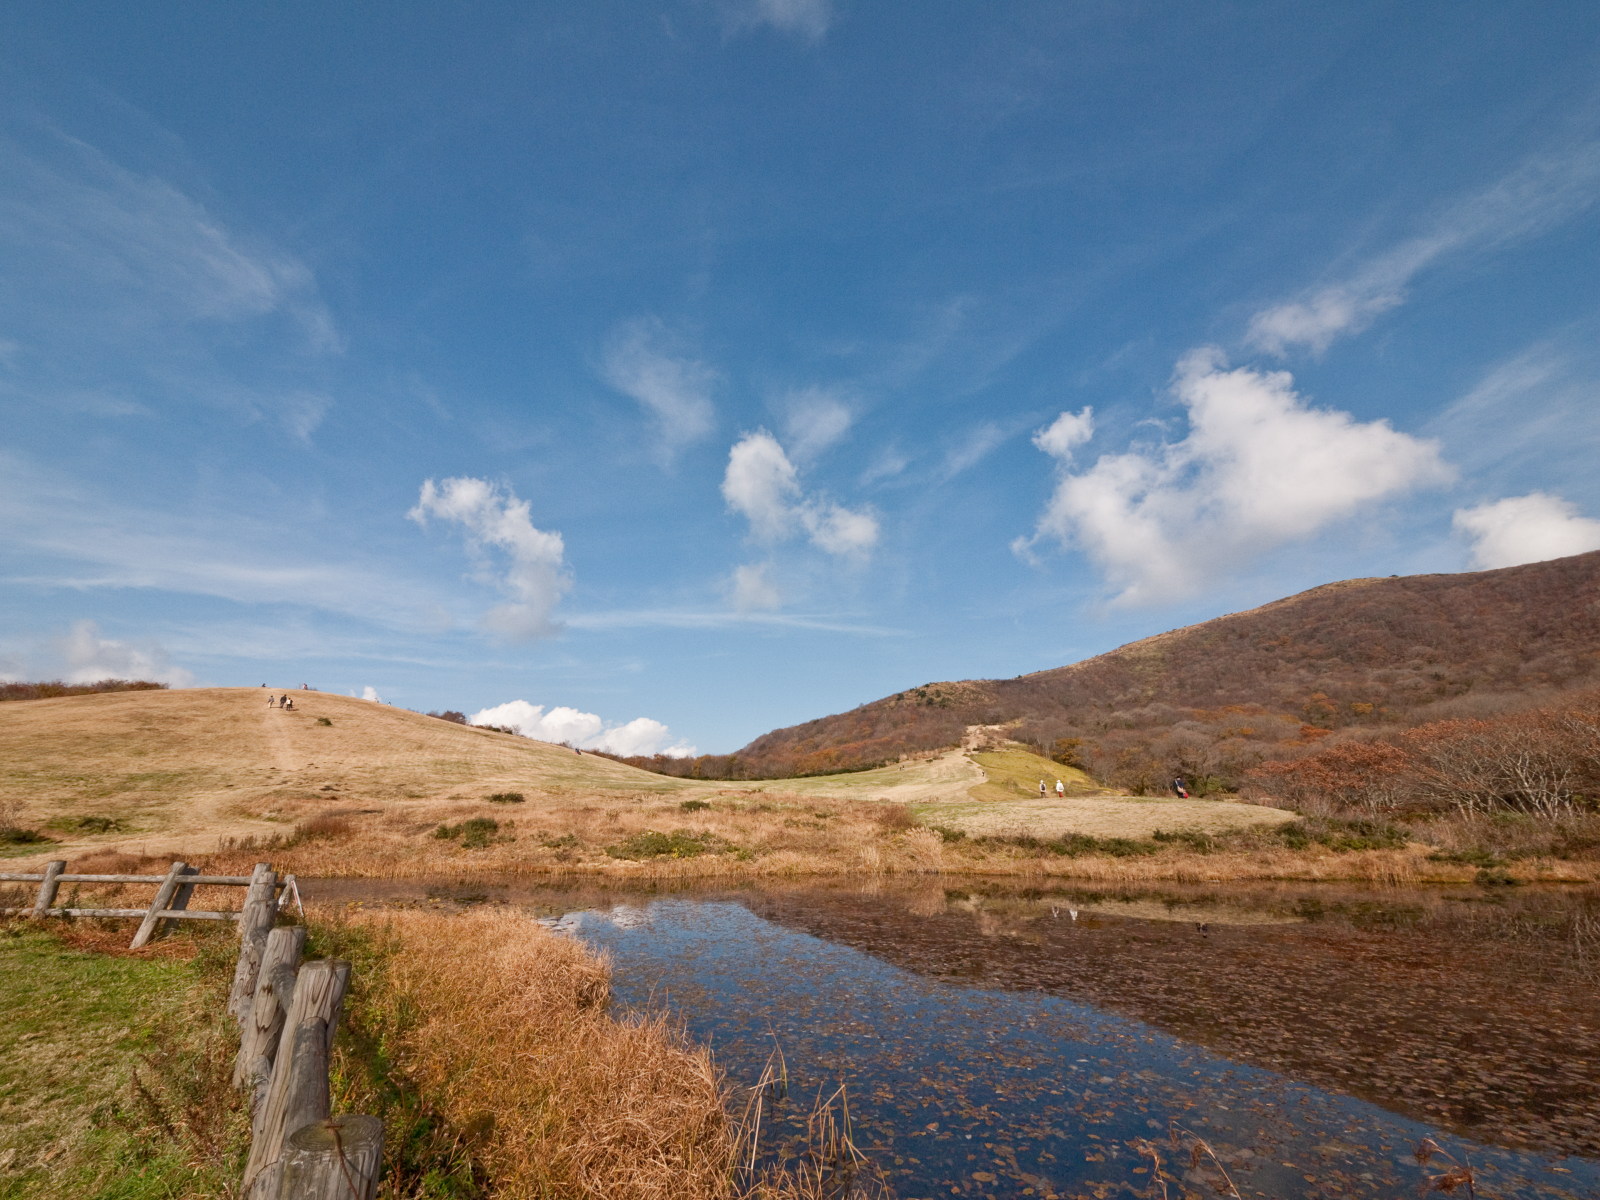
x=642, y=361
x=642, y=735
x=1525, y=529
x=1541, y=192
x=807, y=20
x=816, y=418
x=1258, y=468
x=138, y=251
x=371, y=693
x=535, y=576
x=974, y=447
x=763, y=486
x=753, y=589
x=89, y=657
x=1065, y=434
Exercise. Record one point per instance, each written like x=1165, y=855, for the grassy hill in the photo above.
x=211, y=762
x=1213, y=699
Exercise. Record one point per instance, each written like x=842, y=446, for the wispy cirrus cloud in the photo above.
x=1258, y=467
x=91, y=235
x=1539, y=194
x=644, y=361
x=807, y=20
x=58, y=533
x=534, y=573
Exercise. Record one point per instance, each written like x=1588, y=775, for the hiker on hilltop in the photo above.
x=272, y=701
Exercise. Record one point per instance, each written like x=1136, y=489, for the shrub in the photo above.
x=505, y=797
x=324, y=721
x=326, y=827
x=99, y=825
x=680, y=843
x=473, y=834
x=695, y=805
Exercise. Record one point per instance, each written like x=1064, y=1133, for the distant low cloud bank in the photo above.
x=640, y=736
x=1524, y=529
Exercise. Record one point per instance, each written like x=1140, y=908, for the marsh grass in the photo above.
x=528, y=1086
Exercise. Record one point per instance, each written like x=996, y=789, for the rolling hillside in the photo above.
x=1231, y=691
x=219, y=762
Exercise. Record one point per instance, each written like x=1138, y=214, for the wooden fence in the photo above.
x=287, y=1010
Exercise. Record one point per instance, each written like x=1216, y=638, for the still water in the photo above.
x=997, y=1041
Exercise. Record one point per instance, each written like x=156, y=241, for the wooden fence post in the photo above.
x=263, y=1023
x=47, y=888
x=164, y=894
x=340, y=1158
x=255, y=921
x=298, y=1092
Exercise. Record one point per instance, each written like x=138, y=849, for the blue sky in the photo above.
x=686, y=369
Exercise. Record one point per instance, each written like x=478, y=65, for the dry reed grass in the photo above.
x=509, y=1037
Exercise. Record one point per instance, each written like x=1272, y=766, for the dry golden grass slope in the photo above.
x=184, y=768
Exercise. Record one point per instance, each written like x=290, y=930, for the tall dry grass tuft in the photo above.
x=507, y=1032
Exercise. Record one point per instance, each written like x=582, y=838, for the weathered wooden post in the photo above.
x=163, y=901
x=255, y=922
x=298, y=1092
x=46, y=898
x=263, y=1023
x=340, y=1158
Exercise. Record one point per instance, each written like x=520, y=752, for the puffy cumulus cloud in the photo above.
x=535, y=573
x=753, y=590
x=1065, y=434
x=1258, y=468
x=642, y=361
x=762, y=485
x=1524, y=529
x=815, y=419
x=807, y=20
x=371, y=693
x=89, y=657
x=641, y=736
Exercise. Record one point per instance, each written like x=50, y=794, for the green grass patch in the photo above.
x=1340, y=835
x=680, y=843
x=1073, y=845
x=506, y=797
x=114, y=1072
x=473, y=834
x=1014, y=773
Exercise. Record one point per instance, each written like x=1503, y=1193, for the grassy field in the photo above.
x=78, y=1024
x=349, y=787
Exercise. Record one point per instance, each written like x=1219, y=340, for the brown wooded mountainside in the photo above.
x=1217, y=698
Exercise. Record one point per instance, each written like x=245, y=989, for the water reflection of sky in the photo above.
x=962, y=1090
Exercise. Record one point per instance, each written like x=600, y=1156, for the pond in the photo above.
x=1003, y=1041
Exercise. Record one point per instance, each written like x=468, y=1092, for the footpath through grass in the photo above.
x=102, y=1072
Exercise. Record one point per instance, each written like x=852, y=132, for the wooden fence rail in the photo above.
x=288, y=1012
x=171, y=901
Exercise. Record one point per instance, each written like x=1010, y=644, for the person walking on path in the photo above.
x=1042, y=789
x=1179, y=789
x=272, y=701
x=1061, y=790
